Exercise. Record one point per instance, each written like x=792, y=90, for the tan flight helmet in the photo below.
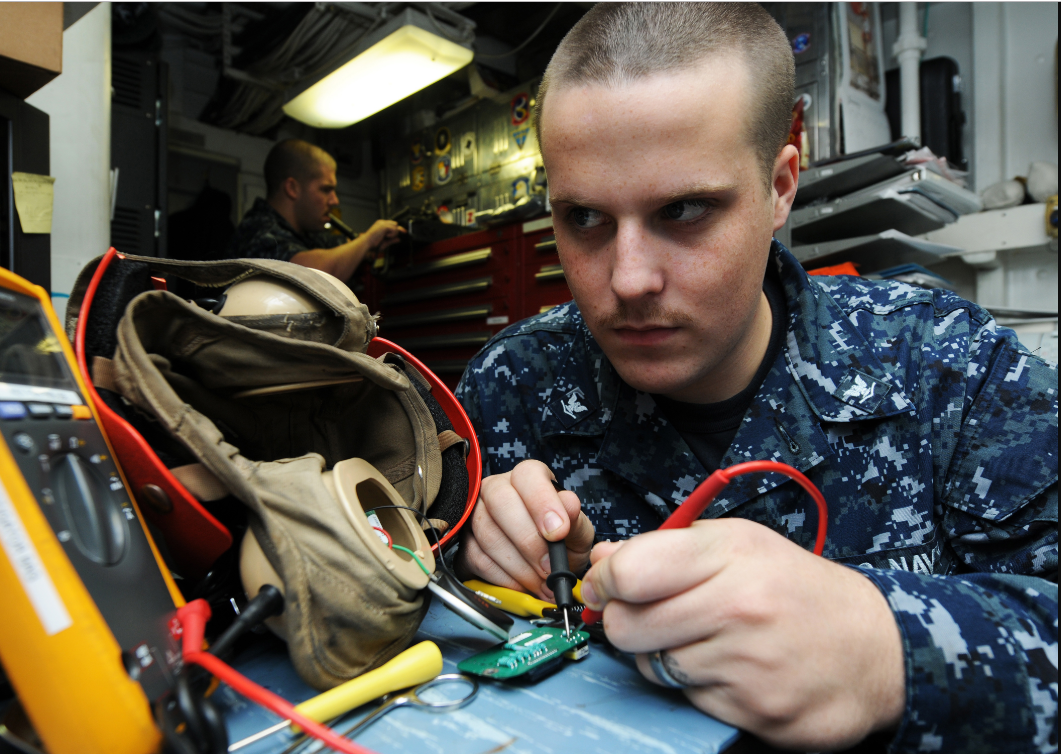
x=278, y=306
x=356, y=485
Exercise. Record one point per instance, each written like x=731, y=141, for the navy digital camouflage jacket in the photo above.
x=931, y=432
x=264, y=234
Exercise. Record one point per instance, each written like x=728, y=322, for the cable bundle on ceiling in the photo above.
x=174, y=16
x=324, y=33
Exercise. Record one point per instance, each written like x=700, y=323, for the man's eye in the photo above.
x=583, y=217
x=685, y=210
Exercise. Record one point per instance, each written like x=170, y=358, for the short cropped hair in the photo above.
x=293, y=158
x=616, y=43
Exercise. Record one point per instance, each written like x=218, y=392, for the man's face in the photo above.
x=663, y=224
x=316, y=198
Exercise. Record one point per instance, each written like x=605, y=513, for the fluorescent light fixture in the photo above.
x=400, y=58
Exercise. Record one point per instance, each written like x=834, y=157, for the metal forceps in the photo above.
x=411, y=698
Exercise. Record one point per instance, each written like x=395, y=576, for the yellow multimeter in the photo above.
x=87, y=634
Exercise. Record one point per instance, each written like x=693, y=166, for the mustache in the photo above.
x=647, y=313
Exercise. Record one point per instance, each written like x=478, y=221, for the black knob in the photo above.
x=94, y=515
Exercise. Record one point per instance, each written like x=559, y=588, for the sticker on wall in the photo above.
x=801, y=43
x=443, y=170
x=520, y=137
x=520, y=188
x=416, y=153
x=443, y=141
x=468, y=145
x=520, y=108
x=419, y=178
x=469, y=216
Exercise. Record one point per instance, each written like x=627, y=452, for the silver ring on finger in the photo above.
x=659, y=667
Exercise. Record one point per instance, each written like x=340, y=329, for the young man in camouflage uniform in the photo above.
x=696, y=342
x=289, y=224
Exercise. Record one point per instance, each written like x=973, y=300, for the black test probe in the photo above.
x=560, y=579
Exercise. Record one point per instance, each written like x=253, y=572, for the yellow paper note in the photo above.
x=33, y=201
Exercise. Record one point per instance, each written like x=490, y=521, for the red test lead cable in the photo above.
x=193, y=618
x=705, y=494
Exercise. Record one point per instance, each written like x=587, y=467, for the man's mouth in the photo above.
x=644, y=335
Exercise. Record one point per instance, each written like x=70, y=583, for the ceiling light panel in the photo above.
x=401, y=58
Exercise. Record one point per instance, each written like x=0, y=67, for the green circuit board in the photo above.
x=531, y=654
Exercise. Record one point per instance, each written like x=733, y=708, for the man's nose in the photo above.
x=333, y=200
x=636, y=263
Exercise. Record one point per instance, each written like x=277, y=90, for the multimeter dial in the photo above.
x=99, y=529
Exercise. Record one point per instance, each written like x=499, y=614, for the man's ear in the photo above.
x=784, y=183
x=292, y=188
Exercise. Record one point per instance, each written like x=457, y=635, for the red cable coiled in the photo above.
x=708, y=490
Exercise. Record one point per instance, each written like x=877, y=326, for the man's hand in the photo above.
x=770, y=638
x=504, y=544
x=382, y=234
x=342, y=261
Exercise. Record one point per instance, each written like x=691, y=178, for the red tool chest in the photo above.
x=446, y=300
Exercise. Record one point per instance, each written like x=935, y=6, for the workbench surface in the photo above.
x=600, y=705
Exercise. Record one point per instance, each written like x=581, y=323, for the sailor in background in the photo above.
x=289, y=224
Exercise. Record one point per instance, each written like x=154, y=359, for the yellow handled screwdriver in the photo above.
x=515, y=602
x=414, y=666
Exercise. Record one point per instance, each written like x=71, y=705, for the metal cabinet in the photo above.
x=446, y=300
x=138, y=152
x=815, y=43
x=25, y=149
x=449, y=298
x=544, y=284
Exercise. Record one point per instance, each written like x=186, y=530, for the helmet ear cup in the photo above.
x=358, y=489
x=366, y=497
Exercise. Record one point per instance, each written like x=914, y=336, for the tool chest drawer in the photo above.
x=444, y=301
x=543, y=282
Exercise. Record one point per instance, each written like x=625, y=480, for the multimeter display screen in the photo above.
x=30, y=353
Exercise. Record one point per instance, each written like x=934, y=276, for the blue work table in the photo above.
x=599, y=705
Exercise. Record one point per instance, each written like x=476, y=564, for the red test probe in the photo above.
x=705, y=494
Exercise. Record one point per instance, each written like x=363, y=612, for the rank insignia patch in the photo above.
x=862, y=391
x=571, y=408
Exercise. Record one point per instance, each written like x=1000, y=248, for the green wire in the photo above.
x=406, y=549
x=417, y=559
